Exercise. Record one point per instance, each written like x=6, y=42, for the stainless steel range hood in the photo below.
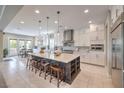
x=68, y=37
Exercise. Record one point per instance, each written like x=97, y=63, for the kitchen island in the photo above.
x=69, y=62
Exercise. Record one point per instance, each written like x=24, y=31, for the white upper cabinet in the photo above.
x=76, y=38
x=81, y=38
x=97, y=34
x=94, y=35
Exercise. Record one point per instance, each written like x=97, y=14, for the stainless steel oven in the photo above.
x=97, y=47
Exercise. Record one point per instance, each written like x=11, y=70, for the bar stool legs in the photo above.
x=44, y=68
x=59, y=74
x=50, y=75
x=57, y=79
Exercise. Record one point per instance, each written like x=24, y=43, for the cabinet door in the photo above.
x=100, y=35
x=97, y=58
x=76, y=38
x=85, y=57
x=92, y=58
x=100, y=59
x=93, y=37
x=87, y=39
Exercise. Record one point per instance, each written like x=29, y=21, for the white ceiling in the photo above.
x=71, y=16
x=7, y=13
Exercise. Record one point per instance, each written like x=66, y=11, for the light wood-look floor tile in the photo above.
x=16, y=75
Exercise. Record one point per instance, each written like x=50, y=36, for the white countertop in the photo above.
x=64, y=57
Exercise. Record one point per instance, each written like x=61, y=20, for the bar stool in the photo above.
x=29, y=59
x=44, y=67
x=37, y=65
x=59, y=73
x=32, y=64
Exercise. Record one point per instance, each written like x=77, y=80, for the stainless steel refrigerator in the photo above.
x=117, y=52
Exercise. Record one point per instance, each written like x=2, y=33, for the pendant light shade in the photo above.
x=58, y=30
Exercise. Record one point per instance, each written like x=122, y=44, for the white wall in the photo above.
x=1, y=45
x=108, y=42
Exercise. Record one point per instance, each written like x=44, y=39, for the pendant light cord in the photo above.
x=58, y=12
x=47, y=33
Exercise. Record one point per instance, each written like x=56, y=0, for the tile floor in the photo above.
x=15, y=75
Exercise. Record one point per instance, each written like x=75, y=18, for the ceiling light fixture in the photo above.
x=22, y=22
x=56, y=22
x=40, y=27
x=37, y=11
x=90, y=22
x=65, y=27
x=47, y=33
x=86, y=11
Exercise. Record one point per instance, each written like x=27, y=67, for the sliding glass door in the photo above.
x=21, y=44
x=28, y=44
x=12, y=47
x=16, y=45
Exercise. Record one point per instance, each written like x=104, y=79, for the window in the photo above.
x=29, y=45
x=12, y=47
x=21, y=44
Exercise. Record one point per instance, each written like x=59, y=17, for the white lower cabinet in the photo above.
x=84, y=57
x=100, y=59
x=93, y=58
x=97, y=58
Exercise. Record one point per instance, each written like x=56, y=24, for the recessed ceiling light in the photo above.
x=22, y=22
x=86, y=11
x=65, y=27
x=56, y=22
x=37, y=11
x=40, y=27
x=90, y=22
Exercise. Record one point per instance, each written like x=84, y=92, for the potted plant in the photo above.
x=5, y=52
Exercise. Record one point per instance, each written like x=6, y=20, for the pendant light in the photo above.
x=39, y=34
x=47, y=33
x=58, y=32
x=58, y=13
x=39, y=26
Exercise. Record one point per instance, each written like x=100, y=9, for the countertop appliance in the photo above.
x=117, y=52
x=68, y=43
x=68, y=37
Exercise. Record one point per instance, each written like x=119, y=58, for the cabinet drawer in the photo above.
x=84, y=57
x=101, y=59
x=97, y=58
